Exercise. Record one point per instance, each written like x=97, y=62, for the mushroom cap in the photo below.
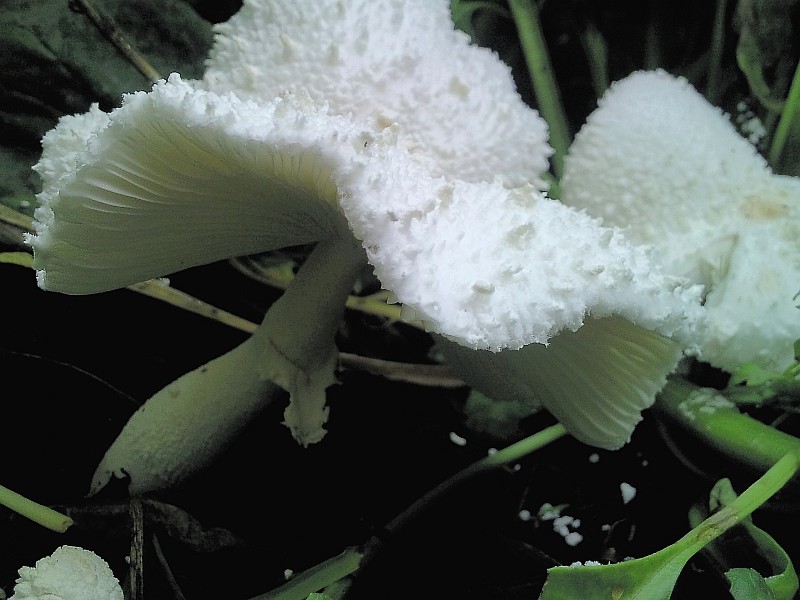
x=63, y=144
x=388, y=62
x=660, y=162
x=70, y=573
x=754, y=308
x=181, y=176
x=494, y=268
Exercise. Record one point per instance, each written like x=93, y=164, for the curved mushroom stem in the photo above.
x=298, y=333
x=183, y=426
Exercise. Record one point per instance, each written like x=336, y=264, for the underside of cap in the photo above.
x=181, y=177
x=596, y=381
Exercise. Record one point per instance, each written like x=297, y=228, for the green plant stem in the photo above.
x=715, y=53
x=744, y=505
x=596, y=50
x=338, y=567
x=652, y=45
x=317, y=577
x=738, y=510
x=655, y=575
x=705, y=414
x=540, y=69
x=789, y=120
x=501, y=458
x=38, y=513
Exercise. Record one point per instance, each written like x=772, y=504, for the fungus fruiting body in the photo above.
x=658, y=160
x=453, y=222
x=70, y=573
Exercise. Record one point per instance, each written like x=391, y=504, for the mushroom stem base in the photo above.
x=298, y=333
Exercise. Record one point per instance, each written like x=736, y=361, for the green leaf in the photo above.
x=752, y=374
x=653, y=577
x=782, y=584
x=54, y=61
x=463, y=13
x=747, y=584
x=648, y=578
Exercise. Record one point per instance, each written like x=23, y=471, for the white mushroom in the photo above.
x=382, y=63
x=658, y=160
x=184, y=175
x=70, y=573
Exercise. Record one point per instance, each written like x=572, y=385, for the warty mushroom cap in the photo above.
x=660, y=162
x=181, y=177
x=383, y=63
x=69, y=573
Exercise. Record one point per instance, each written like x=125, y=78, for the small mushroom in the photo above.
x=185, y=175
x=656, y=159
x=70, y=573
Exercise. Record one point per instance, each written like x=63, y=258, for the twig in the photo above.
x=428, y=375
x=136, y=570
x=159, y=289
x=177, y=592
x=105, y=24
x=17, y=219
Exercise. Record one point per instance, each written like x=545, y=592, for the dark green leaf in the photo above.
x=747, y=584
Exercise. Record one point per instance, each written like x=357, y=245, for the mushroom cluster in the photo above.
x=376, y=131
x=657, y=159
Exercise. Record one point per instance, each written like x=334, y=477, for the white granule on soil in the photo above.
x=563, y=525
x=628, y=492
x=457, y=439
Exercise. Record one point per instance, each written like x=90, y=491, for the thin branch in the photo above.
x=177, y=592
x=105, y=24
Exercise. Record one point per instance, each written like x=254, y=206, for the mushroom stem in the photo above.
x=183, y=426
x=299, y=329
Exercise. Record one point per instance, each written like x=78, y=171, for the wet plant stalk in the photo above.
x=548, y=98
x=721, y=426
x=789, y=121
x=38, y=513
